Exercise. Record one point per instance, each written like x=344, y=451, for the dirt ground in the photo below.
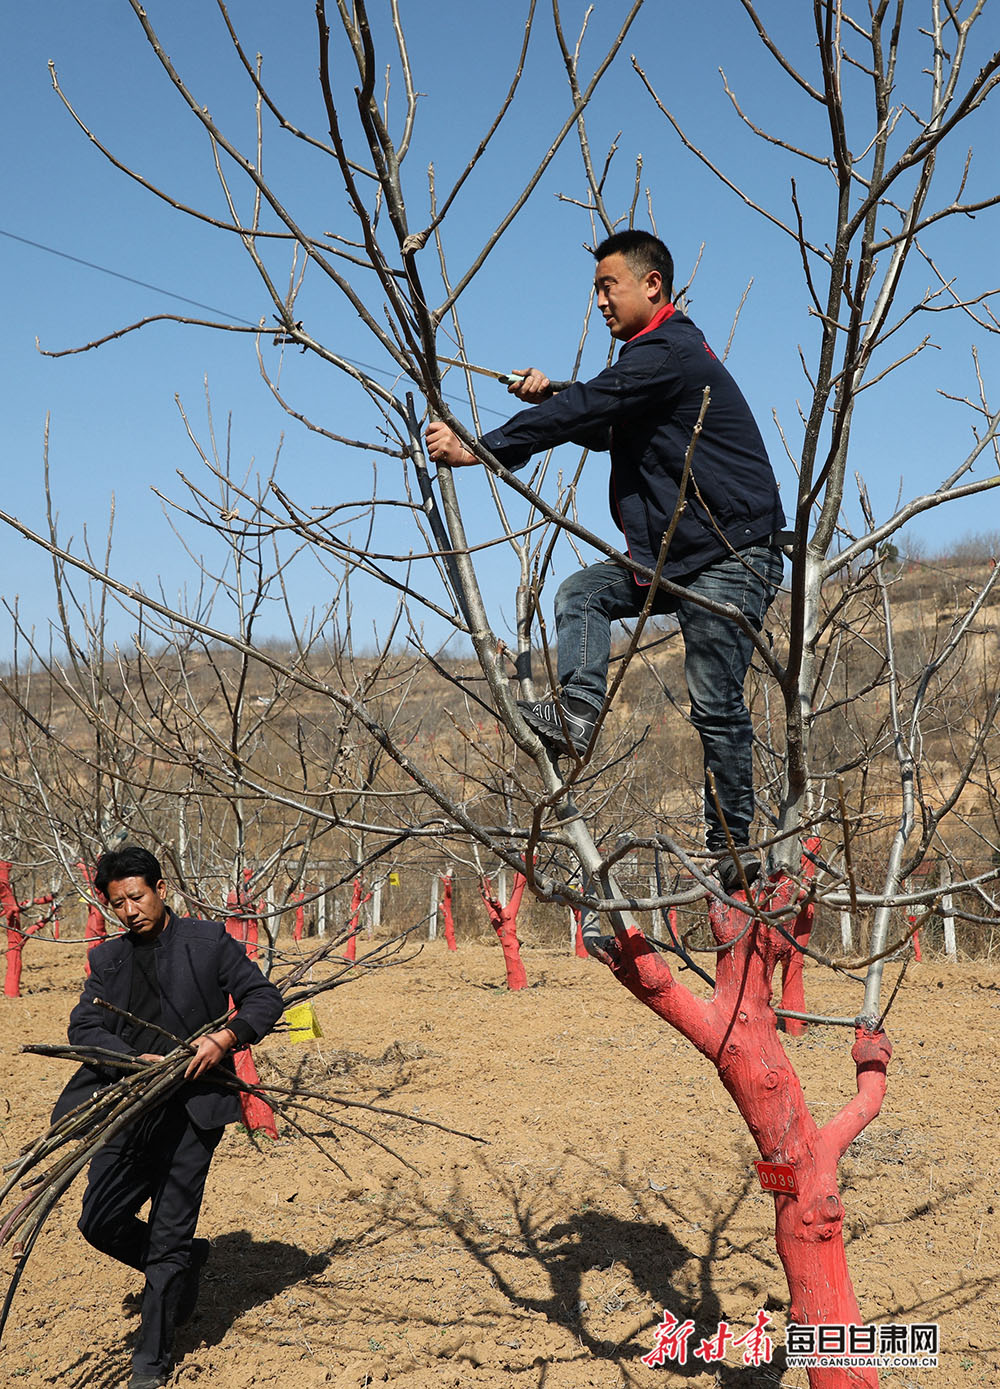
x=616, y=1179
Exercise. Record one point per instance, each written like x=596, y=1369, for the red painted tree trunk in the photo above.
x=241, y=922
x=10, y=910
x=579, y=947
x=258, y=1116
x=917, y=955
x=446, y=912
x=503, y=919
x=793, y=994
x=236, y=924
x=12, y=975
x=97, y=927
x=253, y=930
x=241, y=909
x=300, y=917
x=357, y=902
x=737, y=1030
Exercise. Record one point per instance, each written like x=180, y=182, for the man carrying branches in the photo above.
x=715, y=509
x=167, y=978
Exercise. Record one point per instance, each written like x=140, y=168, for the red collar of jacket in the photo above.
x=659, y=317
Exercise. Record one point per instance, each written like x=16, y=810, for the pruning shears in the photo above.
x=505, y=378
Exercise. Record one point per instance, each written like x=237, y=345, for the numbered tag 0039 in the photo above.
x=778, y=1177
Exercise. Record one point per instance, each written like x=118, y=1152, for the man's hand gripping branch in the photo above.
x=443, y=444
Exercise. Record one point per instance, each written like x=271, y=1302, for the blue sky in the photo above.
x=115, y=424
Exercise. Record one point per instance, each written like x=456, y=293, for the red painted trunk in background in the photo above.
x=503, y=919
x=10, y=910
x=793, y=996
x=258, y=1116
x=580, y=948
x=446, y=912
x=357, y=902
x=12, y=975
x=737, y=1030
x=242, y=924
x=97, y=927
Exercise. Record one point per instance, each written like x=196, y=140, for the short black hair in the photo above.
x=643, y=252
x=130, y=861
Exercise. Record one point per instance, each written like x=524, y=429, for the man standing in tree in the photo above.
x=177, y=975
x=724, y=547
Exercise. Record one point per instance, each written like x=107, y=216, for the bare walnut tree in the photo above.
x=870, y=758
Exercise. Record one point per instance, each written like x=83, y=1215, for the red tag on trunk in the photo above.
x=777, y=1176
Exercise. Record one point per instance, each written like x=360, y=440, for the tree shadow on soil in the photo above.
x=651, y=1253
x=354, y=1074
x=242, y=1273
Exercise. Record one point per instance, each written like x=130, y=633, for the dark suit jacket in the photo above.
x=199, y=967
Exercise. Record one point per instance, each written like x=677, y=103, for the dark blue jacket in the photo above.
x=199, y=966
x=643, y=408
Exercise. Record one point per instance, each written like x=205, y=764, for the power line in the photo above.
x=117, y=274
x=196, y=303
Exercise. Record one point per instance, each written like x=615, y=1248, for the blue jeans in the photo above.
x=716, y=658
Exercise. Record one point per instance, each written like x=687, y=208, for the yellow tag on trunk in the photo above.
x=303, y=1022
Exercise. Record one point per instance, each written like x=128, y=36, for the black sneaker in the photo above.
x=141, y=1380
x=551, y=720
x=729, y=871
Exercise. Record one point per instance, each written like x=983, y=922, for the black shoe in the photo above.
x=550, y=720
x=729, y=871
x=141, y=1380
x=189, y=1293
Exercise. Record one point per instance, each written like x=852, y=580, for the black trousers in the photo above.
x=163, y=1159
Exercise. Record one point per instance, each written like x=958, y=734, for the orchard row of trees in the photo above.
x=232, y=770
